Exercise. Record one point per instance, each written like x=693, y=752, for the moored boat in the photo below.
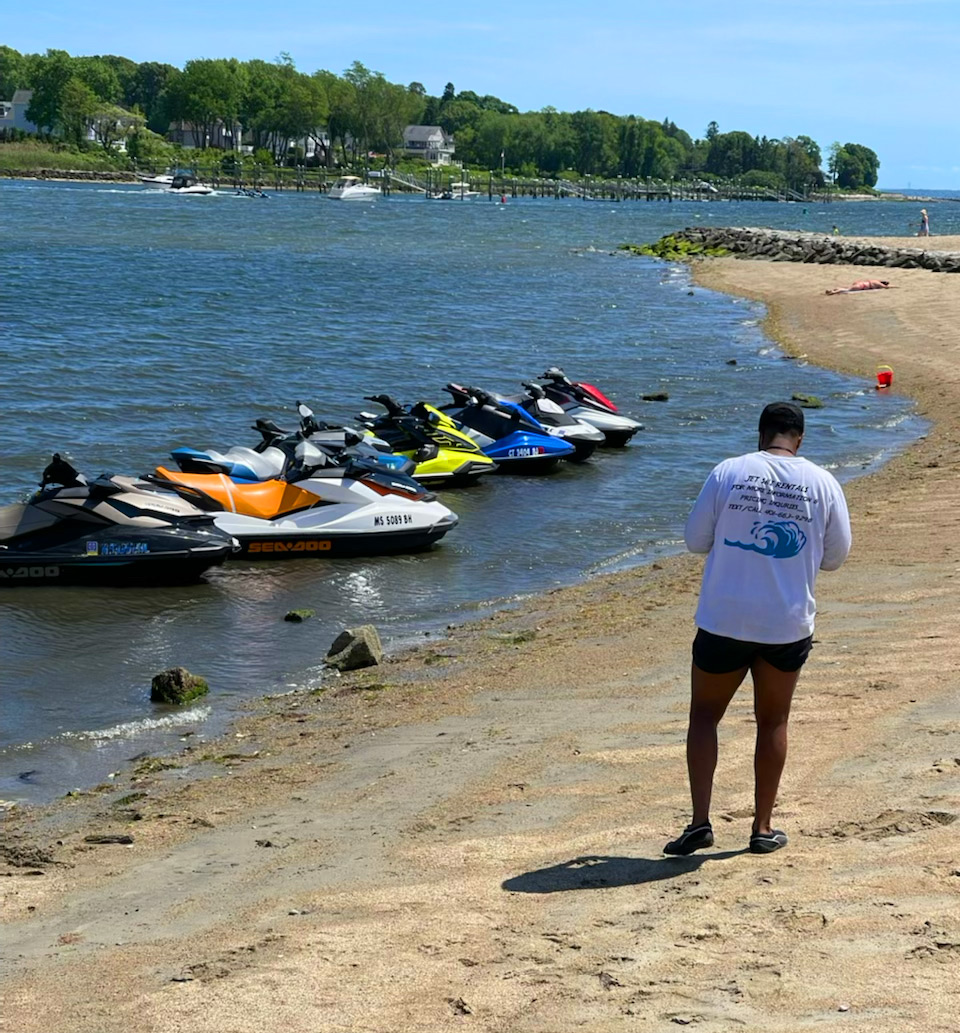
x=352, y=188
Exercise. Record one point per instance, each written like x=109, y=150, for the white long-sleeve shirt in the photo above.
x=769, y=523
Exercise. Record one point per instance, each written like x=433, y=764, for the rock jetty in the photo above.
x=786, y=246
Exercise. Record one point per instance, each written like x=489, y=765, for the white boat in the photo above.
x=186, y=183
x=164, y=179
x=462, y=190
x=352, y=188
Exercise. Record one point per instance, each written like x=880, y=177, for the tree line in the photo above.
x=352, y=115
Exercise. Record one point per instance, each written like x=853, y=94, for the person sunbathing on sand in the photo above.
x=862, y=285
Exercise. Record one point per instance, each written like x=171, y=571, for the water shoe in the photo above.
x=693, y=837
x=767, y=842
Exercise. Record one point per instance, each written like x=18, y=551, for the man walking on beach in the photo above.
x=768, y=521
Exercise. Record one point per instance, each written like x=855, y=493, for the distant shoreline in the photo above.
x=104, y=176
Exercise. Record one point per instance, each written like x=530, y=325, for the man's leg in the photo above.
x=772, y=695
x=709, y=697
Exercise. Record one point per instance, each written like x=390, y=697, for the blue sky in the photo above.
x=878, y=72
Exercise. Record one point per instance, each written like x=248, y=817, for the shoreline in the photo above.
x=122, y=176
x=426, y=872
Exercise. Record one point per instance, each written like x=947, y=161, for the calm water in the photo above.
x=132, y=321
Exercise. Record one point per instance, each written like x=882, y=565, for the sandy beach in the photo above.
x=469, y=836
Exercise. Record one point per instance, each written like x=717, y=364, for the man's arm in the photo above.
x=698, y=533
x=837, y=538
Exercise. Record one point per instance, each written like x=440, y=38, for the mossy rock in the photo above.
x=299, y=616
x=152, y=765
x=177, y=686
x=672, y=248
x=807, y=401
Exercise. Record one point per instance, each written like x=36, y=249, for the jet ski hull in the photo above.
x=279, y=542
x=525, y=453
x=102, y=560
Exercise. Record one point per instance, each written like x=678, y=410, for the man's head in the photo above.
x=781, y=419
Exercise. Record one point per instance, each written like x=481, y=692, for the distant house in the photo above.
x=13, y=113
x=430, y=143
x=226, y=138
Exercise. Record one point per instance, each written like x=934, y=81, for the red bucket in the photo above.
x=884, y=376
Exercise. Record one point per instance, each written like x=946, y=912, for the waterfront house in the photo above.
x=13, y=113
x=430, y=143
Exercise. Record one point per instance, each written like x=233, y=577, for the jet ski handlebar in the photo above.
x=556, y=374
x=59, y=471
x=393, y=407
x=483, y=397
x=468, y=395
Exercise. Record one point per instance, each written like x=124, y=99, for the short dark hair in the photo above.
x=781, y=418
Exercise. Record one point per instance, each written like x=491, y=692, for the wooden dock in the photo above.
x=494, y=186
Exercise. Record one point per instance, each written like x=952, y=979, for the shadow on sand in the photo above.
x=595, y=872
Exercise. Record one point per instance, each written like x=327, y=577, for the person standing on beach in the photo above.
x=768, y=522
x=924, y=230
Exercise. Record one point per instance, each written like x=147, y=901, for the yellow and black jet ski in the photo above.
x=444, y=454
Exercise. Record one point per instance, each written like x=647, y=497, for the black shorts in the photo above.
x=718, y=655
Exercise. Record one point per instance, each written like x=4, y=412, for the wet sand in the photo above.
x=471, y=833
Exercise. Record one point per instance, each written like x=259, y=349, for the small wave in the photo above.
x=130, y=729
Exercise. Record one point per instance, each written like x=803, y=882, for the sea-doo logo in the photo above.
x=27, y=573
x=283, y=547
x=93, y=549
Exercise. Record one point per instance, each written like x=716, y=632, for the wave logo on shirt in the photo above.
x=778, y=539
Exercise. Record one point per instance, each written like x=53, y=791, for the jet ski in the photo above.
x=319, y=508
x=277, y=448
x=444, y=454
x=108, y=531
x=587, y=403
x=505, y=432
x=583, y=436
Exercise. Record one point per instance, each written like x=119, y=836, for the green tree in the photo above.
x=595, y=133
x=361, y=113
x=13, y=72
x=732, y=154
x=78, y=103
x=340, y=96
x=207, y=94
x=125, y=71
x=111, y=124
x=300, y=110
x=153, y=81
x=397, y=108
x=149, y=148
x=853, y=166
x=100, y=76
x=261, y=97
x=49, y=78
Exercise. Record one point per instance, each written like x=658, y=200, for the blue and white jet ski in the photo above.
x=505, y=431
x=276, y=452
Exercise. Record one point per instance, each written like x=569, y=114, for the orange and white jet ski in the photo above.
x=319, y=508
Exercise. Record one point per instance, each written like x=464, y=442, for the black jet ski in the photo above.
x=113, y=530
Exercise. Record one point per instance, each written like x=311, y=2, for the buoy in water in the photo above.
x=884, y=376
